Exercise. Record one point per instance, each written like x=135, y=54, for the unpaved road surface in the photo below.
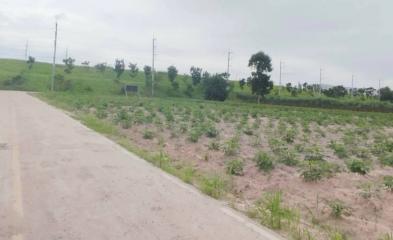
x=60, y=180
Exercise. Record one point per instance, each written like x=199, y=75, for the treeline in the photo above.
x=323, y=102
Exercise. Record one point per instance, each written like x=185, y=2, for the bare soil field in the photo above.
x=307, y=173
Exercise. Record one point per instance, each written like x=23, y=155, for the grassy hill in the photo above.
x=88, y=80
x=91, y=81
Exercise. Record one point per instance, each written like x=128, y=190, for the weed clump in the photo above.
x=388, y=182
x=271, y=212
x=213, y=186
x=387, y=160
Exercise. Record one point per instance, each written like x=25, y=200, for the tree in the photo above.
x=147, y=71
x=242, y=83
x=205, y=76
x=335, y=92
x=134, y=70
x=172, y=74
x=216, y=87
x=86, y=64
x=386, y=94
x=69, y=65
x=30, y=62
x=100, y=67
x=196, y=75
x=259, y=81
x=119, y=67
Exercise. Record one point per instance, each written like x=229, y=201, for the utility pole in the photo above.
x=279, y=83
x=66, y=55
x=353, y=79
x=379, y=89
x=320, y=80
x=26, y=49
x=153, y=68
x=54, y=60
x=229, y=62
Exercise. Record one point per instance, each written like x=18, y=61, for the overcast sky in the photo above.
x=344, y=37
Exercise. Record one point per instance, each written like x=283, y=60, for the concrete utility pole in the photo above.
x=153, y=68
x=66, y=55
x=353, y=79
x=379, y=89
x=229, y=62
x=320, y=80
x=54, y=60
x=280, y=80
x=26, y=49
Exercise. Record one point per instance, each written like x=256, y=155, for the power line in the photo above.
x=54, y=60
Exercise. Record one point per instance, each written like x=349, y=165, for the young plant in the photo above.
x=337, y=208
x=235, y=167
x=231, y=147
x=264, y=162
x=358, y=166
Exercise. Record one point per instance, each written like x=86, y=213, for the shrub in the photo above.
x=61, y=84
x=388, y=182
x=101, y=114
x=358, y=166
x=235, y=167
x=213, y=186
x=337, y=236
x=147, y=134
x=337, y=208
x=232, y=146
x=194, y=135
x=289, y=135
x=264, y=161
x=288, y=158
x=316, y=170
x=214, y=145
x=387, y=159
x=313, y=154
x=15, y=81
x=211, y=131
x=339, y=149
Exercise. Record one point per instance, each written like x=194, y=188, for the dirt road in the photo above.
x=60, y=180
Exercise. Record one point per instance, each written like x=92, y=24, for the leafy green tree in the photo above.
x=335, y=92
x=119, y=67
x=86, y=64
x=216, y=87
x=148, y=72
x=386, y=94
x=30, y=62
x=172, y=74
x=259, y=81
x=242, y=83
x=69, y=65
x=196, y=75
x=134, y=70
